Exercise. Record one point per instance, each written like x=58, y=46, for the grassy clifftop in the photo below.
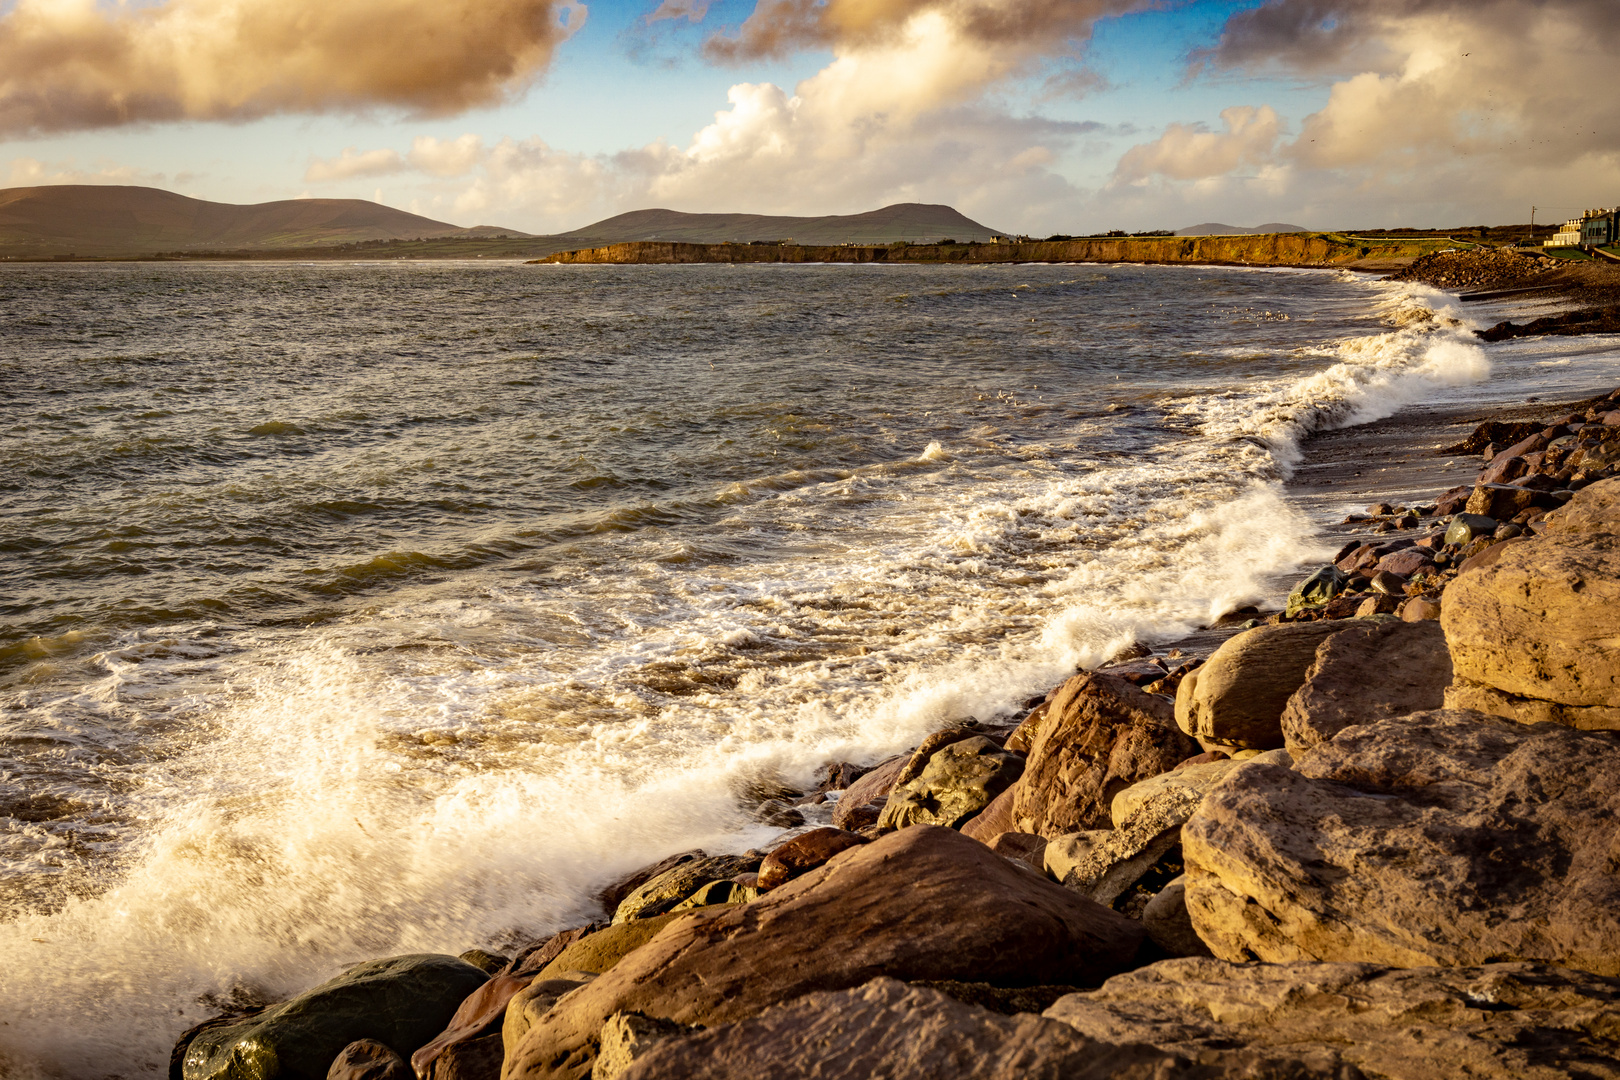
x=1273, y=249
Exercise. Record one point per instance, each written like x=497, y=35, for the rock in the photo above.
x=1367, y=673
x=921, y=903
x=479, y=1015
x=1541, y=621
x=1194, y=779
x=662, y=893
x=888, y=1029
x=1023, y=736
x=1138, y=672
x=1442, y=838
x=778, y=813
x=1465, y=527
x=1102, y=735
x=1497, y=1022
x=1452, y=501
x=1503, y=501
x=1389, y=583
x=1167, y=923
x=1236, y=699
x=729, y=891
x=613, y=895
x=368, y=1059
x=401, y=1002
x=532, y=958
x=488, y=963
x=598, y=952
x=994, y=819
x=1319, y=588
x=1503, y=468
x=1419, y=609
x=1107, y=865
x=1405, y=564
x=626, y=1038
x=873, y=788
x=804, y=853
x=472, y=1059
x=530, y=1004
x=1361, y=557
x=1023, y=847
x=936, y=742
x=1377, y=605
x=959, y=780
x=839, y=775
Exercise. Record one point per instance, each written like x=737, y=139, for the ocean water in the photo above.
x=357, y=610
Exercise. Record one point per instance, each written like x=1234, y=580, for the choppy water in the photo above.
x=355, y=610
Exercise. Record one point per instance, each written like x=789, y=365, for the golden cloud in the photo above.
x=74, y=64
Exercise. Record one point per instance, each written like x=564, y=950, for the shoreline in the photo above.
x=1139, y=891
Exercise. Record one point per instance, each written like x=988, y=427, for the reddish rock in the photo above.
x=480, y=1014
x=1406, y=563
x=921, y=903
x=1504, y=468
x=1102, y=734
x=368, y=1059
x=1452, y=501
x=1023, y=736
x=531, y=959
x=993, y=819
x=1024, y=847
x=1419, y=609
x=871, y=789
x=1505, y=501
x=802, y=854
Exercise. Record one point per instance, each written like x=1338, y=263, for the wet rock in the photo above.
x=662, y=893
x=1137, y=672
x=1442, y=838
x=1023, y=736
x=804, y=853
x=368, y=1059
x=1236, y=699
x=779, y=814
x=1102, y=734
x=479, y=1015
x=537, y=955
x=888, y=1029
x=613, y=895
x=939, y=740
x=1367, y=673
x=1503, y=501
x=921, y=903
x=488, y=963
x=994, y=819
x=729, y=891
x=840, y=775
x=959, y=780
x=1319, y=588
x=1389, y=583
x=626, y=1038
x=600, y=951
x=1465, y=527
x=871, y=790
x=1497, y=1022
x=401, y=1002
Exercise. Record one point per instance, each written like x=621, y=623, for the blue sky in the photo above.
x=1029, y=115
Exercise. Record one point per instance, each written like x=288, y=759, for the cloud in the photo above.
x=1459, y=110
x=348, y=165
x=31, y=172
x=76, y=64
x=690, y=10
x=1188, y=152
x=1031, y=27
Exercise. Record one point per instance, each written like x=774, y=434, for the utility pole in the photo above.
x=1532, y=226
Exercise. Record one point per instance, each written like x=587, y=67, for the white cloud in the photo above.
x=1187, y=152
x=350, y=164
x=31, y=172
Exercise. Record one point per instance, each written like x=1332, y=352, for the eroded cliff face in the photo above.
x=1276, y=249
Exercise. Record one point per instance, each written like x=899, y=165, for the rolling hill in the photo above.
x=914, y=222
x=1215, y=228
x=105, y=221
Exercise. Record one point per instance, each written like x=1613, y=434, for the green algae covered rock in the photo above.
x=402, y=1002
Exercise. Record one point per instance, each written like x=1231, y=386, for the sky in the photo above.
x=1030, y=116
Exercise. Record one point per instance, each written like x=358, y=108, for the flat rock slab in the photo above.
x=1442, y=838
x=1496, y=1022
x=922, y=903
x=1366, y=672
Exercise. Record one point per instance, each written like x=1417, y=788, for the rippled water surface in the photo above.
x=352, y=610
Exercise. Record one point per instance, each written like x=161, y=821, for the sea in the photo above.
x=350, y=610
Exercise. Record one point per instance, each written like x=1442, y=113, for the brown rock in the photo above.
x=873, y=788
x=1441, y=838
x=1497, y=1022
x=1365, y=673
x=1466, y=694
x=471, y=1059
x=802, y=854
x=534, y=957
x=921, y=903
x=1102, y=734
x=1024, y=847
x=628, y=1037
x=1503, y=468
x=613, y=895
x=1377, y=605
x=936, y=742
x=959, y=780
x=1419, y=609
x=888, y=1029
x=1236, y=699
x=661, y=894
x=1167, y=923
x=478, y=1016
x=1412, y=560
x=368, y=1059
x=1503, y=501
x=600, y=951
x=529, y=1005
x=1023, y=736
x=994, y=819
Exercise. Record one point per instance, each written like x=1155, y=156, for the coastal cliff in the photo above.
x=1272, y=249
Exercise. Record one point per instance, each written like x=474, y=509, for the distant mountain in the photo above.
x=915, y=222
x=95, y=220
x=1215, y=228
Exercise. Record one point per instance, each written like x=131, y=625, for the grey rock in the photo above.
x=959, y=780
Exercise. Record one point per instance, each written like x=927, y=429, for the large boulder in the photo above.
x=1101, y=735
x=804, y=853
x=1535, y=635
x=663, y=893
x=1236, y=700
x=1368, y=672
x=888, y=1029
x=959, y=780
x=401, y=1002
x=596, y=953
x=921, y=903
x=1496, y=1022
x=1440, y=838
